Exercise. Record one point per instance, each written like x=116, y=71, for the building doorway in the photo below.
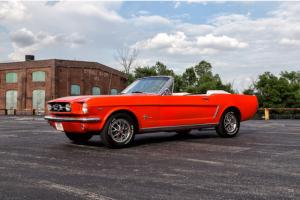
x=11, y=101
x=38, y=101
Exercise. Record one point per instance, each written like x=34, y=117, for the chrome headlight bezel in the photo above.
x=68, y=107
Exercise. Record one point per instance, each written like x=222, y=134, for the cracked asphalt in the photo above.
x=263, y=162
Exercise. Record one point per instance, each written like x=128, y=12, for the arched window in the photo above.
x=75, y=90
x=38, y=76
x=114, y=91
x=11, y=77
x=96, y=91
x=38, y=99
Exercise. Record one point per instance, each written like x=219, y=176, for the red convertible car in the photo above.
x=148, y=105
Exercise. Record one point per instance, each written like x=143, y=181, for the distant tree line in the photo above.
x=195, y=79
x=281, y=91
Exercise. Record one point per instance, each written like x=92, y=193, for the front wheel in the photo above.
x=119, y=131
x=79, y=137
x=229, y=124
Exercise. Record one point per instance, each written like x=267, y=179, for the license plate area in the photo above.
x=59, y=126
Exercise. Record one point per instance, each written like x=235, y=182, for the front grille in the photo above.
x=58, y=107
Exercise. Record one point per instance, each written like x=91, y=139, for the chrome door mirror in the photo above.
x=167, y=92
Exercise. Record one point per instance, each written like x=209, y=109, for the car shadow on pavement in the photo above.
x=171, y=137
x=156, y=138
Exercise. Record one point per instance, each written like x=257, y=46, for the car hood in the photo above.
x=89, y=97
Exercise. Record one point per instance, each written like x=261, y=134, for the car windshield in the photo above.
x=146, y=85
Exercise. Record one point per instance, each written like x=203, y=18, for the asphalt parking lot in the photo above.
x=263, y=162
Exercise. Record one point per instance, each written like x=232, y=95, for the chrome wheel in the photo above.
x=120, y=130
x=230, y=123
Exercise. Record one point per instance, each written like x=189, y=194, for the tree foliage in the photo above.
x=196, y=79
x=281, y=91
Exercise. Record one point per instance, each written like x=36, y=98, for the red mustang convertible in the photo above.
x=148, y=105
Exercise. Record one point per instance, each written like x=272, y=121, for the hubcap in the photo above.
x=120, y=130
x=230, y=123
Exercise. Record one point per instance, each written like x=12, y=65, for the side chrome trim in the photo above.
x=216, y=112
x=180, y=127
x=72, y=119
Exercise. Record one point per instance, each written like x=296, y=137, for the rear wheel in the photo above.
x=119, y=131
x=79, y=137
x=229, y=124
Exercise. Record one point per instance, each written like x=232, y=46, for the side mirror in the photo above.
x=167, y=92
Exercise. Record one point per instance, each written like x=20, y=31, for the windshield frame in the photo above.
x=167, y=85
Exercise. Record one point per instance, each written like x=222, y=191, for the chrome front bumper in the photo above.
x=72, y=119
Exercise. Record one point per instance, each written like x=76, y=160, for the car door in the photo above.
x=186, y=110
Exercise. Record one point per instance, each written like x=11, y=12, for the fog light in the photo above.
x=84, y=108
x=68, y=107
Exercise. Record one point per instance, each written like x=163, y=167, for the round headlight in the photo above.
x=49, y=107
x=84, y=108
x=68, y=107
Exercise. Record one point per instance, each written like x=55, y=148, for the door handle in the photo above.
x=205, y=98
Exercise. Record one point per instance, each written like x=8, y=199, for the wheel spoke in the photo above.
x=120, y=130
x=230, y=123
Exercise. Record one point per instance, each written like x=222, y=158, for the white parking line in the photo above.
x=73, y=190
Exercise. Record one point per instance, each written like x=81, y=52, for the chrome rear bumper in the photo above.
x=72, y=119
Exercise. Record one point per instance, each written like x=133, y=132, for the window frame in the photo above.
x=38, y=80
x=96, y=87
x=113, y=89
x=71, y=90
x=7, y=77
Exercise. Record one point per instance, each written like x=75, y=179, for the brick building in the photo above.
x=26, y=86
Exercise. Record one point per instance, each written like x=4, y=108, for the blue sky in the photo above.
x=240, y=39
x=198, y=12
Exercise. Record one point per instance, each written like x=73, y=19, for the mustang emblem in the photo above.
x=57, y=107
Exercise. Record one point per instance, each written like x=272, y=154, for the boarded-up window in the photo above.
x=38, y=100
x=114, y=91
x=96, y=91
x=11, y=99
x=75, y=90
x=38, y=76
x=11, y=77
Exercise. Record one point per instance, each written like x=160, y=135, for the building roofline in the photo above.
x=55, y=62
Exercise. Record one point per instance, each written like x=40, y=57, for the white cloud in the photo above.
x=103, y=10
x=24, y=41
x=23, y=38
x=143, y=12
x=289, y=42
x=12, y=11
x=151, y=20
x=235, y=44
x=220, y=42
x=179, y=43
x=177, y=4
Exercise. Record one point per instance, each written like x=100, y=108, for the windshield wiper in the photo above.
x=136, y=92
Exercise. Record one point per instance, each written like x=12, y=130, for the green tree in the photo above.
x=162, y=69
x=189, y=78
x=199, y=79
x=140, y=72
x=281, y=91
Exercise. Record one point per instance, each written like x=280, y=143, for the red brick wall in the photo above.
x=60, y=75
x=87, y=78
x=25, y=86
